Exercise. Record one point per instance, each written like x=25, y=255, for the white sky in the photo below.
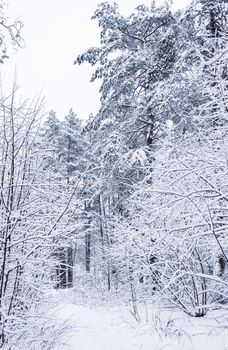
x=55, y=32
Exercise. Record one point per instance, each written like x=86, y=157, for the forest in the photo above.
x=129, y=207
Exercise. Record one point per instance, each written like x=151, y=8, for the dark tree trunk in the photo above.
x=87, y=251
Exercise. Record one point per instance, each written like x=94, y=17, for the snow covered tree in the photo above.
x=10, y=34
x=71, y=146
x=36, y=218
x=24, y=214
x=135, y=55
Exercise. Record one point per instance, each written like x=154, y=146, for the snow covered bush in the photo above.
x=175, y=235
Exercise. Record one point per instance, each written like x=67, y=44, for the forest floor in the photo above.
x=114, y=328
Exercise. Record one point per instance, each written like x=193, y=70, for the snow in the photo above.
x=108, y=327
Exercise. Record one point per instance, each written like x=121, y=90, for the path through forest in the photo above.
x=114, y=328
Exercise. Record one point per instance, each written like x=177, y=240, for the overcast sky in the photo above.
x=55, y=32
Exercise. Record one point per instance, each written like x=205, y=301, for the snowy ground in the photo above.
x=114, y=328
